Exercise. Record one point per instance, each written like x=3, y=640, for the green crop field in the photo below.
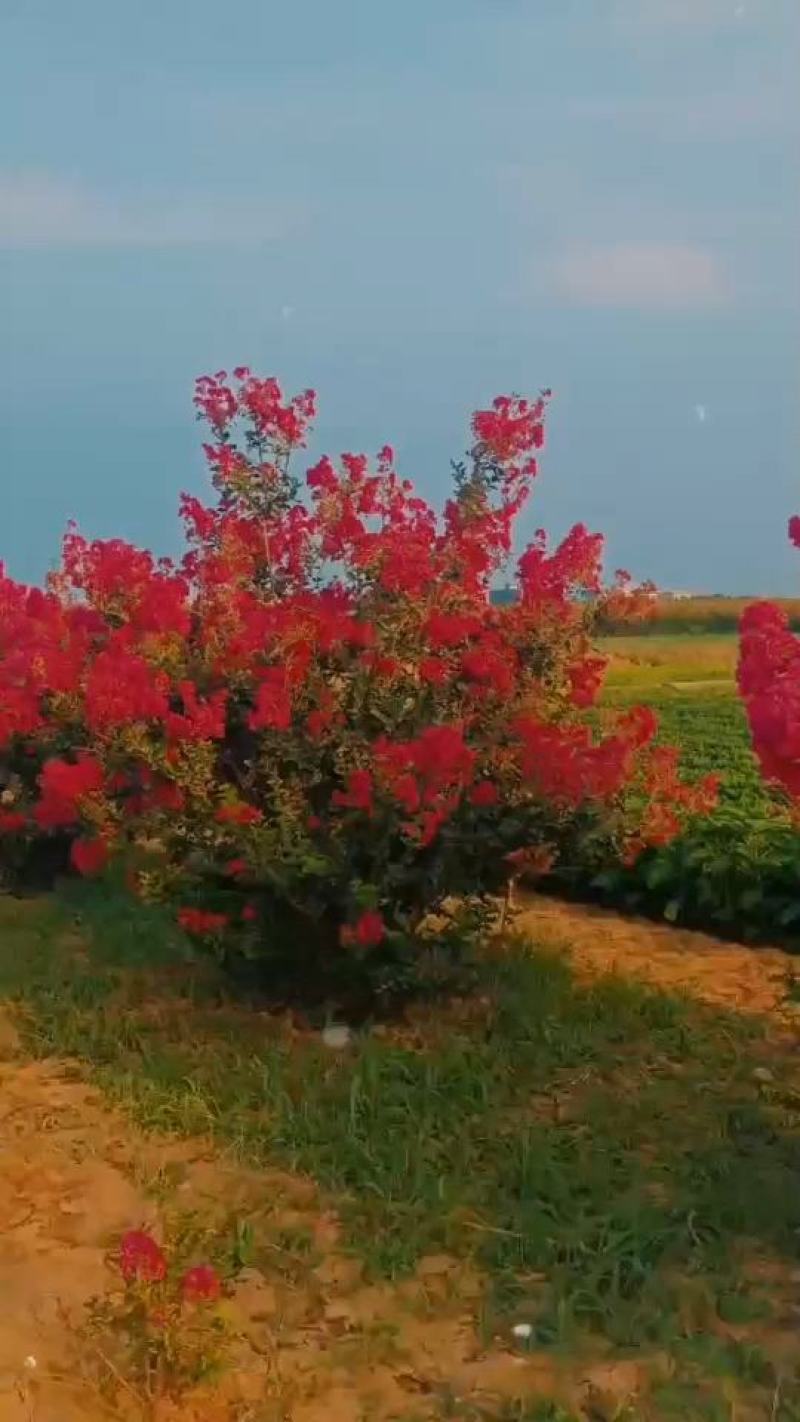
x=736, y=871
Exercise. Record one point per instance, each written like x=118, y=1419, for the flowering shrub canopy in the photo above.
x=318, y=714
x=769, y=683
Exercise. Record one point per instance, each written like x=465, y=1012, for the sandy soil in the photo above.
x=726, y=975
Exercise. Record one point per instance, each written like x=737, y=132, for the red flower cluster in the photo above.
x=510, y=429
x=64, y=789
x=141, y=1259
x=320, y=696
x=201, y=922
x=367, y=932
x=200, y=1285
x=89, y=856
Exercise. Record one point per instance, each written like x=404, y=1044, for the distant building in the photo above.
x=503, y=597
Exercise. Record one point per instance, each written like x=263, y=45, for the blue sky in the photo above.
x=411, y=207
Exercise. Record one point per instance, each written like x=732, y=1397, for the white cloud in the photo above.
x=654, y=276
x=46, y=210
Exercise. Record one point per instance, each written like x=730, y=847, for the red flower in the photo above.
x=200, y=1285
x=510, y=429
x=586, y=678
x=238, y=813
x=249, y=913
x=434, y=670
x=366, y=932
x=89, y=856
x=448, y=629
x=323, y=476
x=484, y=793
x=273, y=708
x=123, y=688
x=358, y=795
x=215, y=400
x=64, y=785
x=201, y=922
x=141, y=1259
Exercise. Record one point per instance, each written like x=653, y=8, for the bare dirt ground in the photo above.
x=725, y=975
x=313, y=1345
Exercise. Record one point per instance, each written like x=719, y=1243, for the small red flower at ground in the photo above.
x=200, y=1285
x=249, y=913
x=141, y=1258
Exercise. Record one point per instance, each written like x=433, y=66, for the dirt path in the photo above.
x=727, y=975
x=62, y=1198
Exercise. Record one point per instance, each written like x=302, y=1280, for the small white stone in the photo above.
x=523, y=1331
x=336, y=1036
x=30, y=1363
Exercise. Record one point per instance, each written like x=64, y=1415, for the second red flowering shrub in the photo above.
x=317, y=727
x=769, y=684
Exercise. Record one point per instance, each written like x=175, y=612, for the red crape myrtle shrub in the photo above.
x=317, y=720
x=769, y=684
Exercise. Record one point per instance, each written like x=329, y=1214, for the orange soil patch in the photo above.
x=726, y=975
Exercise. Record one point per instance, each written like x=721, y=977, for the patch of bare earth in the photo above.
x=730, y=976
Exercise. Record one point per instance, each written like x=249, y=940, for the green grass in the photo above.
x=603, y=1153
